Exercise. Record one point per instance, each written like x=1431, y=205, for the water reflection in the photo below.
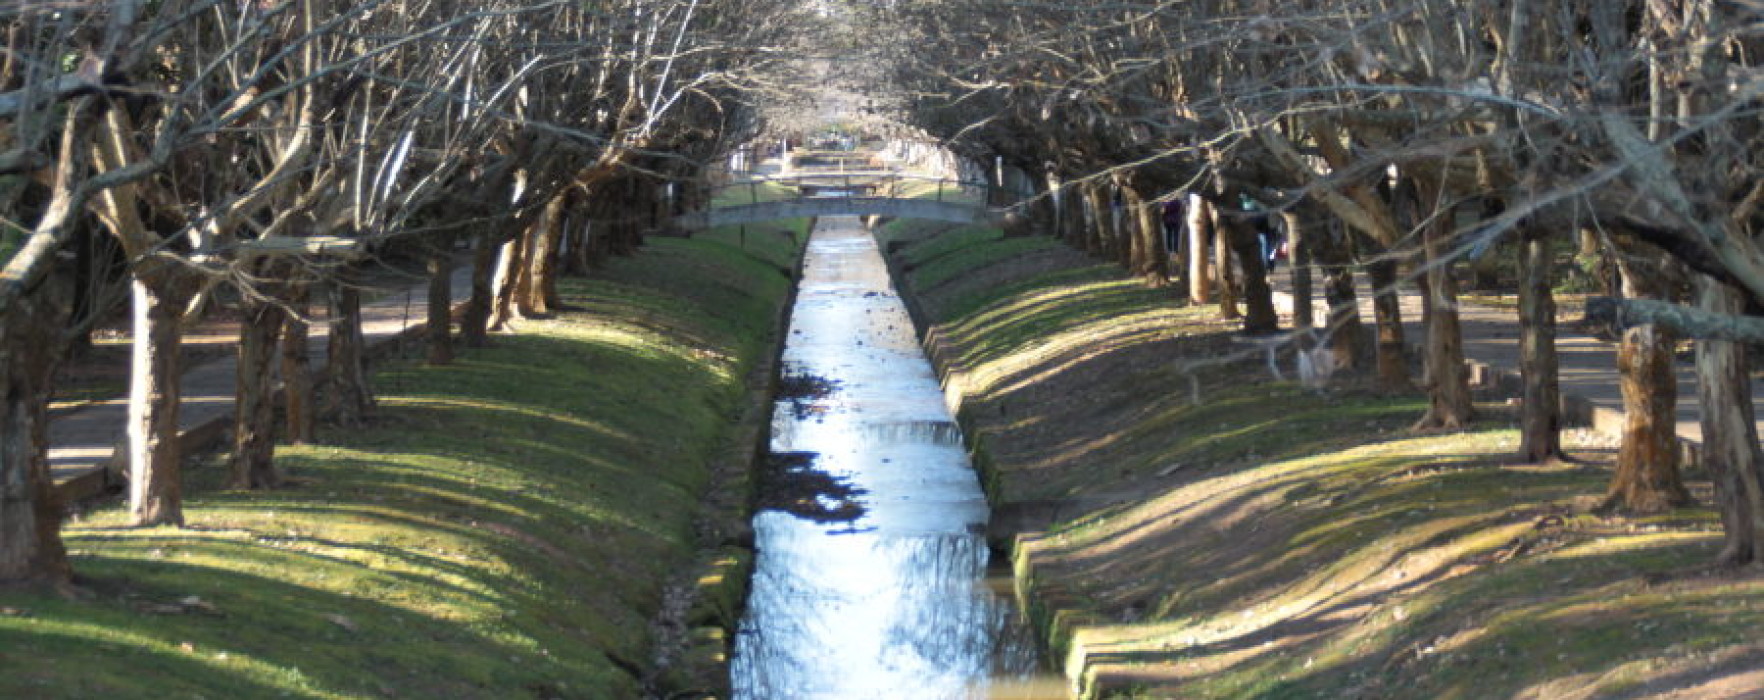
x=892, y=604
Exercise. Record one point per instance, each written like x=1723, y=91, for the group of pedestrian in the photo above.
x=1270, y=229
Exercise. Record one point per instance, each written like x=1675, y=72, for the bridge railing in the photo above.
x=852, y=181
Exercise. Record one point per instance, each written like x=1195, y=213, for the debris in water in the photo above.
x=789, y=482
x=803, y=391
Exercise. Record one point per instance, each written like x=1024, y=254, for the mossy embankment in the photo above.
x=1183, y=525
x=510, y=525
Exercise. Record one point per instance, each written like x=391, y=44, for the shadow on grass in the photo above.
x=258, y=636
x=504, y=530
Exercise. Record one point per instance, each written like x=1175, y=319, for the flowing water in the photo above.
x=892, y=604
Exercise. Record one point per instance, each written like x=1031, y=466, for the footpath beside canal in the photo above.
x=1184, y=525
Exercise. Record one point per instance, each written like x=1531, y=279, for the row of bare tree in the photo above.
x=1400, y=138
x=271, y=149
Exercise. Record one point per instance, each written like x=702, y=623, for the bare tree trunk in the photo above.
x=474, y=324
x=439, y=323
x=1072, y=229
x=1298, y=249
x=576, y=256
x=1122, y=223
x=1647, y=478
x=1346, y=332
x=1151, y=259
x=30, y=509
x=297, y=382
x=630, y=218
x=1540, y=409
x=1448, y=391
x=348, y=399
x=1730, y=432
x=1128, y=228
x=1259, y=316
x=538, y=294
x=155, y=391
x=622, y=232
x=1200, y=266
x=596, y=235
x=1485, y=271
x=254, y=409
x=1587, y=242
x=1044, y=218
x=507, y=281
x=1393, y=369
x=1224, y=281
x=1099, y=240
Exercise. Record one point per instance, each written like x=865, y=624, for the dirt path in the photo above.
x=1491, y=337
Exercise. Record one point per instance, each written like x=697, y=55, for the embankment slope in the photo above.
x=1182, y=525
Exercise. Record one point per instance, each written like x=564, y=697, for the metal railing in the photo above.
x=889, y=181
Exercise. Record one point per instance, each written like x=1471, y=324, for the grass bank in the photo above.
x=509, y=526
x=1189, y=527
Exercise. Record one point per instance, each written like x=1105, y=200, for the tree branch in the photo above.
x=1683, y=320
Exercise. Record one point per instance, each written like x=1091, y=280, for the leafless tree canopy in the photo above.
x=242, y=145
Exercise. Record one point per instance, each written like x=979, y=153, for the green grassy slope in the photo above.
x=1219, y=534
x=503, y=529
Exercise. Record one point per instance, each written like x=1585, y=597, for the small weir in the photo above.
x=871, y=567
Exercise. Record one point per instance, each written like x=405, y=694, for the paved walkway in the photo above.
x=1588, y=366
x=85, y=452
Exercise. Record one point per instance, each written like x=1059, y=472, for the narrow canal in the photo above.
x=891, y=603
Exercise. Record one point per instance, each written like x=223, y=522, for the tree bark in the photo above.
x=1044, y=217
x=1647, y=478
x=155, y=393
x=1128, y=228
x=349, y=400
x=297, y=381
x=439, y=323
x=1683, y=321
x=1448, y=391
x=1072, y=229
x=474, y=324
x=30, y=508
x=1299, y=252
x=628, y=222
x=1151, y=259
x=1122, y=225
x=538, y=293
x=1096, y=203
x=507, y=280
x=1730, y=432
x=1540, y=408
x=1258, y=298
x=254, y=410
x=1344, y=328
x=1485, y=271
x=1224, y=280
x=1387, y=312
x=577, y=256
x=1200, y=266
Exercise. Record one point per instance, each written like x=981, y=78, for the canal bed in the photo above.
x=893, y=603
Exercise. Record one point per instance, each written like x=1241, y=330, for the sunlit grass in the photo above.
x=946, y=191
x=1251, y=538
x=750, y=193
x=502, y=529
